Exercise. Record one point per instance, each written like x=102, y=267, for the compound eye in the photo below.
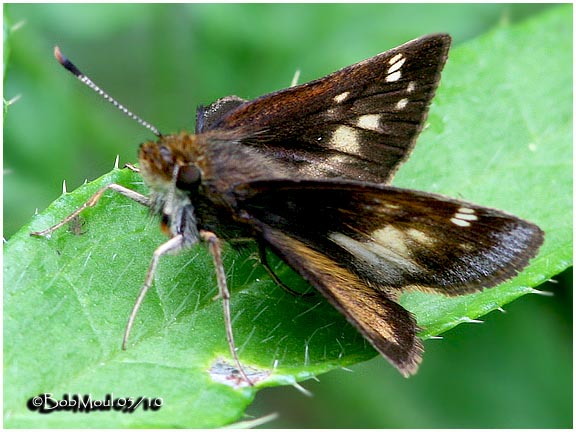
x=188, y=177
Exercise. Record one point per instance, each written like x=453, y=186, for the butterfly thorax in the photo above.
x=191, y=178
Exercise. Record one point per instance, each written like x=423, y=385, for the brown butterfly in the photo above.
x=305, y=172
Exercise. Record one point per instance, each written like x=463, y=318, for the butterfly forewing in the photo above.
x=358, y=123
x=206, y=117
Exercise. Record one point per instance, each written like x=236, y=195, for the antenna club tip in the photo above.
x=58, y=55
x=63, y=60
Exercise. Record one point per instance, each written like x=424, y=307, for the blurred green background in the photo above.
x=161, y=61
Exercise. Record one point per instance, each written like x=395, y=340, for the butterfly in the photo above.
x=305, y=172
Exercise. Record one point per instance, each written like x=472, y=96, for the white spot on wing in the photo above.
x=420, y=237
x=465, y=210
x=401, y=104
x=341, y=97
x=329, y=164
x=463, y=217
x=411, y=87
x=388, y=247
x=395, y=58
x=396, y=62
x=468, y=217
x=369, y=121
x=460, y=222
x=397, y=65
x=395, y=76
x=345, y=139
x=392, y=238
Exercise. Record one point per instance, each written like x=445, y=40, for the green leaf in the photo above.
x=499, y=135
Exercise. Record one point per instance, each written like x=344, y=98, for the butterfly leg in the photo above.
x=175, y=244
x=216, y=252
x=132, y=167
x=128, y=193
x=274, y=276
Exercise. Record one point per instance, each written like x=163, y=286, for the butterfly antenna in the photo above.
x=63, y=60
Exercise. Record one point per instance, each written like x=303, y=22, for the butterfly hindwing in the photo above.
x=359, y=123
x=389, y=327
x=361, y=245
x=395, y=238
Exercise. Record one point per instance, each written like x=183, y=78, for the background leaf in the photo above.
x=66, y=303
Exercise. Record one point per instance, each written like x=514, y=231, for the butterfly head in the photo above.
x=172, y=169
x=172, y=161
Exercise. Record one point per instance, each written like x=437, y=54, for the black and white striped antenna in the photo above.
x=85, y=80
